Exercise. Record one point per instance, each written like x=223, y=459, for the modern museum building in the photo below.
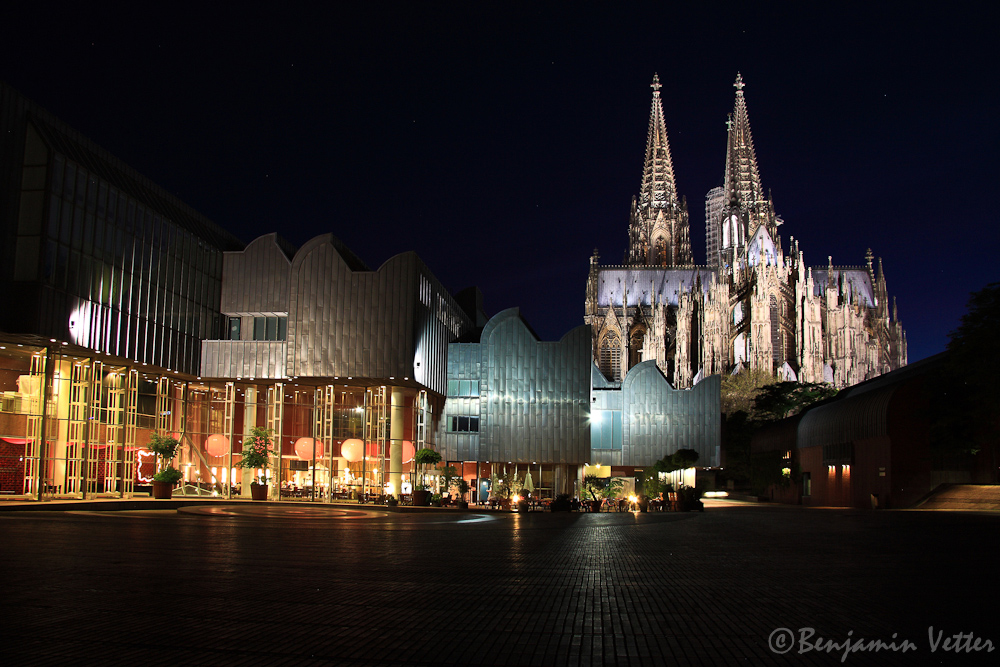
x=126, y=313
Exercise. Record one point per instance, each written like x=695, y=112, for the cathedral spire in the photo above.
x=742, y=180
x=658, y=187
x=659, y=233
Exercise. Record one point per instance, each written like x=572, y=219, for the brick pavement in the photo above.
x=323, y=586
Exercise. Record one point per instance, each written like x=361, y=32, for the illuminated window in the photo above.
x=660, y=252
x=611, y=356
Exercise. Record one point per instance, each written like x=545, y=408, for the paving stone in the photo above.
x=259, y=587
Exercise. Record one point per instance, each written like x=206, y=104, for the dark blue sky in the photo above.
x=504, y=142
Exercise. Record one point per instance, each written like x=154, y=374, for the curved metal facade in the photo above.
x=659, y=420
x=532, y=399
x=343, y=320
x=544, y=402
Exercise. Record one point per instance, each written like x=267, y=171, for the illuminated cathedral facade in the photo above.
x=755, y=305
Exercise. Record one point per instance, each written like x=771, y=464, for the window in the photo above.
x=464, y=425
x=660, y=252
x=468, y=388
x=806, y=484
x=611, y=356
x=270, y=328
x=635, y=347
x=234, y=328
x=606, y=429
x=776, y=354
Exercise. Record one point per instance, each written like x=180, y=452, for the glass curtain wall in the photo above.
x=74, y=427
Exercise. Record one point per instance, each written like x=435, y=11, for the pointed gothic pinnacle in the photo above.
x=656, y=85
x=739, y=85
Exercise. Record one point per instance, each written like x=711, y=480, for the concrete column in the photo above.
x=397, y=425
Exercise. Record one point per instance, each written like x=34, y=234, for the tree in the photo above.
x=785, y=399
x=448, y=473
x=165, y=448
x=772, y=401
x=613, y=488
x=423, y=458
x=684, y=458
x=594, y=485
x=739, y=391
x=964, y=388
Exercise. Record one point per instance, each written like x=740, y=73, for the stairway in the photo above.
x=964, y=497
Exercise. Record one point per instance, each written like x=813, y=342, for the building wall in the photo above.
x=548, y=403
x=533, y=396
x=343, y=320
x=255, y=281
x=873, y=440
x=100, y=256
x=659, y=420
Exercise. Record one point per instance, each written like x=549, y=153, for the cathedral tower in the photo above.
x=659, y=233
x=754, y=307
x=734, y=212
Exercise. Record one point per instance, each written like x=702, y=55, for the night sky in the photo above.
x=503, y=142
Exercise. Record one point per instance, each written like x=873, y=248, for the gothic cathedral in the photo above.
x=752, y=306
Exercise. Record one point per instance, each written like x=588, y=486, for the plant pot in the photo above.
x=258, y=491
x=162, y=490
x=463, y=505
x=595, y=505
x=522, y=506
x=421, y=498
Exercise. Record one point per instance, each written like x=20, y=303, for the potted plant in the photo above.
x=448, y=473
x=643, y=502
x=165, y=448
x=256, y=456
x=423, y=458
x=562, y=503
x=505, y=487
x=613, y=492
x=594, y=485
x=436, y=500
x=523, y=505
x=461, y=488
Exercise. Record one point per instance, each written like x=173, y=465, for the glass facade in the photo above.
x=147, y=289
x=102, y=257
x=76, y=427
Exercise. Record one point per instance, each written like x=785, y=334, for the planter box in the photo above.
x=162, y=490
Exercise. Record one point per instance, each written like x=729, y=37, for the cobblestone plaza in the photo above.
x=308, y=585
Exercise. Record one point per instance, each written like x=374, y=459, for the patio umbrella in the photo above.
x=529, y=486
